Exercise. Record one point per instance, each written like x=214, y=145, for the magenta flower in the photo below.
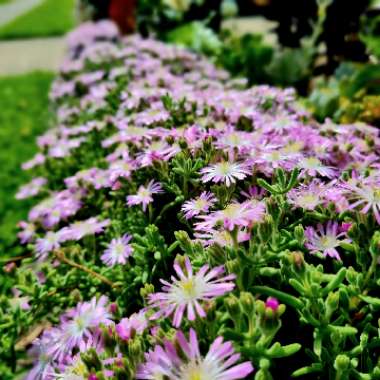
x=272, y=303
x=118, y=251
x=78, y=230
x=325, y=240
x=32, y=188
x=186, y=292
x=136, y=323
x=202, y=204
x=183, y=360
x=144, y=195
x=227, y=172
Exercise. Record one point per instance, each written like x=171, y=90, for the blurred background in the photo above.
x=328, y=50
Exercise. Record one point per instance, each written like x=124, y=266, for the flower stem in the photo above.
x=61, y=257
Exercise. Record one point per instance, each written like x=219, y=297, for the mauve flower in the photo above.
x=367, y=195
x=79, y=328
x=234, y=215
x=79, y=229
x=188, y=290
x=312, y=166
x=201, y=204
x=307, y=196
x=38, y=159
x=325, y=240
x=221, y=237
x=135, y=324
x=27, y=232
x=183, y=360
x=47, y=244
x=144, y=195
x=32, y=188
x=118, y=251
x=227, y=172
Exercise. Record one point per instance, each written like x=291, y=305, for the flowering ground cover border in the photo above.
x=188, y=227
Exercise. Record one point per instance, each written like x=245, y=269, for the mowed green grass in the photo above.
x=24, y=114
x=50, y=18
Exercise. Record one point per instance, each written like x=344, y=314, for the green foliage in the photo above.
x=196, y=36
x=51, y=18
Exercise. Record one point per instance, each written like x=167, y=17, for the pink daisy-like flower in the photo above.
x=234, y=215
x=32, y=188
x=27, y=232
x=144, y=195
x=325, y=240
x=80, y=327
x=136, y=323
x=78, y=230
x=198, y=205
x=118, y=251
x=37, y=160
x=367, y=195
x=313, y=166
x=308, y=196
x=186, y=291
x=221, y=237
x=47, y=244
x=225, y=171
x=184, y=361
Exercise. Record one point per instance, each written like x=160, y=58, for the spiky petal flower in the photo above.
x=225, y=171
x=183, y=361
x=144, y=195
x=188, y=290
x=118, y=251
x=235, y=214
x=325, y=240
x=78, y=230
x=80, y=327
x=136, y=323
x=198, y=205
x=313, y=166
x=47, y=244
x=32, y=188
x=366, y=195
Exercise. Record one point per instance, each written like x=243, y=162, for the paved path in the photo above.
x=10, y=11
x=21, y=56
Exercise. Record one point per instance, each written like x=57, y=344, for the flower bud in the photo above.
x=342, y=363
x=247, y=302
x=233, y=307
x=299, y=234
x=146, y=290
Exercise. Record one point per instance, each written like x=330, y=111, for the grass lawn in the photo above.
x=24, y=115
x=50, y=18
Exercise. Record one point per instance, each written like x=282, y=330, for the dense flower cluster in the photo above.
x=158, y=153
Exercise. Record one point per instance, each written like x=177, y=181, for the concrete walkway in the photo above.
x=10, y=11
x=21, y=56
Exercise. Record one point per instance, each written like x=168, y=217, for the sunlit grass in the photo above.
x=51, y=18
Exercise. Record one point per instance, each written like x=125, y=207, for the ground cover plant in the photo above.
x=188, y=227
x=50, y=18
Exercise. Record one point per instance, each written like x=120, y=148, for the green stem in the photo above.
x=283, y=297
x=61, y=257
